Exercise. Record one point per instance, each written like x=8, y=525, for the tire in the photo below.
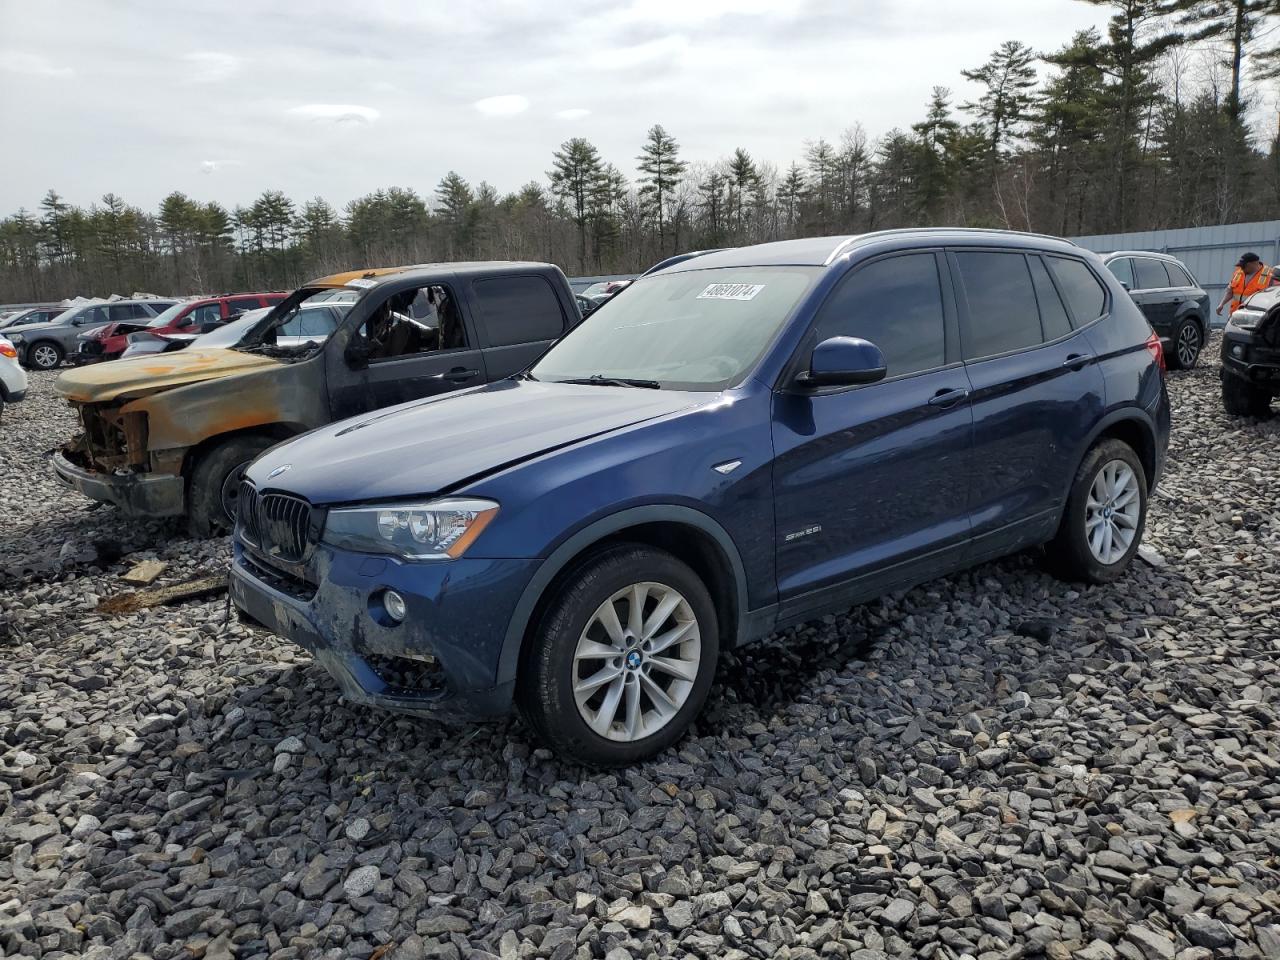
x=555, y=658
x=1243, y=399
x=215, y=483
x=1071, y=555
x=44, y=355
x=1185, y=347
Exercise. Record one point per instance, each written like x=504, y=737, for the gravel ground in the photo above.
x=994, y=765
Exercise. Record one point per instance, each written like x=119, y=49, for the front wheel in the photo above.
x=44, y=355
x=622, y=660
x=1187, y=342
x=215, y=484
x=1243, y=399
x=1106, y=513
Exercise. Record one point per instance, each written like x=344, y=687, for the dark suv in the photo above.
x=1173, y=303
x=743, y=441
x=1251, y=356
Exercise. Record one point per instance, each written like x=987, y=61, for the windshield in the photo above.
x=164, y=319
x=700, y=330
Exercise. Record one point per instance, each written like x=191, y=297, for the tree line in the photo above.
x=1144, y=125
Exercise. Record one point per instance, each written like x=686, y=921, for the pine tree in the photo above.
x=742, y=176
x=1238, y=23
x=1008, y=79
x=662, y=168
x=454, y=200
x=575, y=179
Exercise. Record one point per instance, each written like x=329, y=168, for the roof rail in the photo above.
x=1018, y=233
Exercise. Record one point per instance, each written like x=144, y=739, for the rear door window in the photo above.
x=518, y=310
x=1150, y=274
x=1053, y=315
x=1003, y=314
x=243, y=304
x=1085, y=295
x=895, y=303
x=1122, y=267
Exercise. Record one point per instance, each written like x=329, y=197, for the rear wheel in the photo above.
x=1186, y=346
x=623, y=658
x=1106, y=513
x=1243, y=399
x=215, y=484
x=44, y=355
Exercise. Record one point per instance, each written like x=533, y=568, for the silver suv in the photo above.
x=43, y=345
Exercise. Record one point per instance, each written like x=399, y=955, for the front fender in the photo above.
x=185, y=416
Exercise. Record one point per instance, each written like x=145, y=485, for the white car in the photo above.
x=13, y=379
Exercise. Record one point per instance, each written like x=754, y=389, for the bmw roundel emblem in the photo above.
x=279, y=470
x=633, y=659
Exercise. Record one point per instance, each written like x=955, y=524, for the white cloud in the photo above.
x=209, y=66
x=336, y=112
x=573, y=113
x=683, y=12
x=625, y=58
x=31, y=64
x=504, y=106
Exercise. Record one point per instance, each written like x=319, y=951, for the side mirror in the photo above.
x=357, y=355
x=843, y=362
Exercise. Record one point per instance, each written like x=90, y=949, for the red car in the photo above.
x=189, y=316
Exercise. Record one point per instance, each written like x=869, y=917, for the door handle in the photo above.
x=1075, y=361
x=457, y=375
x=948, y=398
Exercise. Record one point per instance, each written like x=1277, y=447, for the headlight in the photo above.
x=15, y=338
x=1244, y=319
x=437, y=530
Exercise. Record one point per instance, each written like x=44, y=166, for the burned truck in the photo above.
x=171, y=435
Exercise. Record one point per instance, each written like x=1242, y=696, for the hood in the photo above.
x=46, y=327
x=428, y=446
x=142, y=375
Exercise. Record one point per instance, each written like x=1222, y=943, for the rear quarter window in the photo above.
x=1085, y=295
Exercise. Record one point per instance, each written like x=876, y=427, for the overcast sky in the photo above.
x=222, y=99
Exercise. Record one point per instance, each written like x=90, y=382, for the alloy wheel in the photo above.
x=1188, y=344
x=1112, y=512
x=45, y=357
x=636, y=661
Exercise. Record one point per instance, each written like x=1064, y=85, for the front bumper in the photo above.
x=89, y=351
x=143, y=494
x=458, y=612
x=1259, y=365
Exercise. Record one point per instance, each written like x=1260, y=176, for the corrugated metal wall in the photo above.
x=1210, y=252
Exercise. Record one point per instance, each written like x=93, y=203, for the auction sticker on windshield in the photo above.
x=731, y=291
x=362, y=283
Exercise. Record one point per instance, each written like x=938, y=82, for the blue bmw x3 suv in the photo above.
x=742, y=441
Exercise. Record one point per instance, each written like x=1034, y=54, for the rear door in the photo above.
x=405, y=341
x=870, y=481
x=1153, y=294
x=518, y=318
x=1037, y=392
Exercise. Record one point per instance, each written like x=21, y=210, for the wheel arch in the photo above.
x=275, y=432
x=688, y=534
x=1132, y=426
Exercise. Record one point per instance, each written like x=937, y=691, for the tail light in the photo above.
x=7, y=350
x=1156, y=349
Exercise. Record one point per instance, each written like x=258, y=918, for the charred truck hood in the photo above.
x=138, y=377
x=430, y=447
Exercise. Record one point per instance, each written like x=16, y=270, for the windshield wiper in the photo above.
x=600, y=380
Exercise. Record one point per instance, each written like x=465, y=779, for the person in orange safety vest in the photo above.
x=1250, y=276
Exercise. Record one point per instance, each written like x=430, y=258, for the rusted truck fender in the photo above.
x=289, y=396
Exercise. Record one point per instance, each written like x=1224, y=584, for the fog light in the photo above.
x=1237, y=351
x=394, y=604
